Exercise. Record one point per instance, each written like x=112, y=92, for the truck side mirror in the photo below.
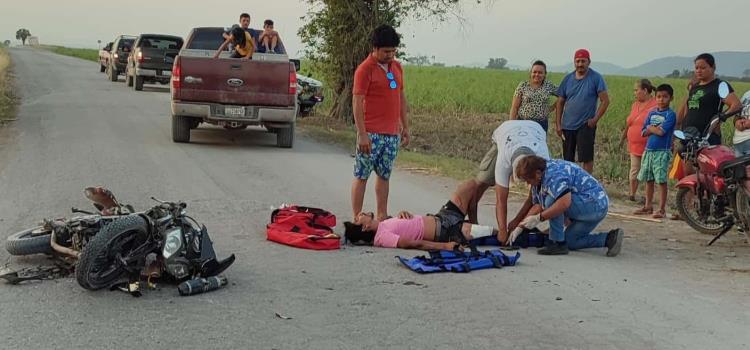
x=296, y=63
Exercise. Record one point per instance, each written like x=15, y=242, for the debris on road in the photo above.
x=283, y=317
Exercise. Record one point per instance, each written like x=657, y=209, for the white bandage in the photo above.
x=479, y=231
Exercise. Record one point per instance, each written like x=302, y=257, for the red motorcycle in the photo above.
x=717, y=196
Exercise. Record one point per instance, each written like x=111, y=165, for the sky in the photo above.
x=623, y=32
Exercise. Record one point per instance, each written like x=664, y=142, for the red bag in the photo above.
x=303, y=227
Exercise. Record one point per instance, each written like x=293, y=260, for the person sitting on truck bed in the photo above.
x=269, y=37
x=244, y=45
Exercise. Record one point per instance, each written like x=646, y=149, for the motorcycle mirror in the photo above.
x=723, y=89
x=679, y=134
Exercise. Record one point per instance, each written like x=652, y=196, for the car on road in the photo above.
x=310, y=93
x=104, y=54
x=117, y=56
x=231, y=92
x=151, y=59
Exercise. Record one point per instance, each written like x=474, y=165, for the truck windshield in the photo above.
x=162, y=43
x=207, y=39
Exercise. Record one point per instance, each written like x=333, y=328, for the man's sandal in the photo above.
x=659, y=215
x=644, y=211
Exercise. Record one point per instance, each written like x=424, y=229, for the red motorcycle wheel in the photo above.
x=689, y=208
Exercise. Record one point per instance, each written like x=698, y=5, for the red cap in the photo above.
x=582, y=53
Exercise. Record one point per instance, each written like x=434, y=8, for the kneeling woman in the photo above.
x=444, y=230
x=560, y=190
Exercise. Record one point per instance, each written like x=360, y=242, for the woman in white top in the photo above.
x=741, y=139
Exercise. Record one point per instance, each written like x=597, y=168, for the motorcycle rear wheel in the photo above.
x=688, y=208
x=97, y=266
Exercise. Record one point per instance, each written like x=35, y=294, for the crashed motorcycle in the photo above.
x=717, y=196
x=67, y=237
x=160, y=243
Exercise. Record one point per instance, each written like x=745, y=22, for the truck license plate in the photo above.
x=234, y=111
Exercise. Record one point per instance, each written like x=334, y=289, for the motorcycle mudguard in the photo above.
x=207, y=246
x=213, y=267
x=690, y=181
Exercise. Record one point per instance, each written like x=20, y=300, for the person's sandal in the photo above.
x=644, y=211
x=659, y=214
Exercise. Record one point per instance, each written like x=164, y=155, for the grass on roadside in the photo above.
x=86, y=54
x=7, y=96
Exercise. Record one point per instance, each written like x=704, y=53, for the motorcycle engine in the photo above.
x=178, y=267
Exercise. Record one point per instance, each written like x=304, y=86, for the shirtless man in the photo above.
x=444, y=230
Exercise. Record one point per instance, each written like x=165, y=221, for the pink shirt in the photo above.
x=389, y=231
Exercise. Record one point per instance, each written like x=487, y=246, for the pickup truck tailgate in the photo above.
x=235, y=81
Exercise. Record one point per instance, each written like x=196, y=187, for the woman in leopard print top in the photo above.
x=531, y=100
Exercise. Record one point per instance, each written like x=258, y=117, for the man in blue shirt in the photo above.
x=577, y=114
x=658, y=127
x=560, y=190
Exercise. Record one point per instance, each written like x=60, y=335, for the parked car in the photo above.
x=151, y=59
x=309, y=93
x=233, y=93
x=118, y=56
x=104, y=57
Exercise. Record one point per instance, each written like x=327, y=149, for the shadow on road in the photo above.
x=217, y=136
x=156, y=88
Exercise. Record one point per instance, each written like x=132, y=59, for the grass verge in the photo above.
x=7, y=96
x=86, y=54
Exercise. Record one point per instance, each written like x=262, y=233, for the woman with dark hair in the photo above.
x=560, y=191
x=643, y=104
x=703, y=101
x=531, y=99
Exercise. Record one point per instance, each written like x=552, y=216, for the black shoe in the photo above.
x=554, y=248
x=614, y=241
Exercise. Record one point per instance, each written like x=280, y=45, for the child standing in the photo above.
x=658, y=127
x=269, y=38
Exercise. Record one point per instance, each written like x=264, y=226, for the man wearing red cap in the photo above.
x=577, y=112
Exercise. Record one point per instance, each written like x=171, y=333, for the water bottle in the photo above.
x=201, y=285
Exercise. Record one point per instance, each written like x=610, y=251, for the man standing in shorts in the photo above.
x=577, y=114
x=512, y=140
x=380, y=116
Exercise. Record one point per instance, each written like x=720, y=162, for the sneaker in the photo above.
x=554, y=248
x=614, y=241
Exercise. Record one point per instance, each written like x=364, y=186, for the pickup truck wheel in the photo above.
x=181, y=128
x=128, y=80
x=285, y=137
x=138, y=83
x=112, y=73
x=102, y=68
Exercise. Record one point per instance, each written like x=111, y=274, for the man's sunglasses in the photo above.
x=392, y=80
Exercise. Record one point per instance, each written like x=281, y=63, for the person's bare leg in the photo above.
x=589, y=167
x=464, y=194
x=633, y=187
x=649, y=195
x=382, y=187
x=359, y=187
x=481, y=188
x=663, y=197
x=265, y=42
x=274, y=41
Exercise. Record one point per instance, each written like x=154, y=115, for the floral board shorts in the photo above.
x=655, y=166
x=383, y=154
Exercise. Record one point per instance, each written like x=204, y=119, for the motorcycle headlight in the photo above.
x=172, y=243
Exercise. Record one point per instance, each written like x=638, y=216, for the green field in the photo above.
x=86, y=54
x=455, y=110
x=7, y=97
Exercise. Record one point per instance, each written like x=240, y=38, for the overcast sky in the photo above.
x=624, y=32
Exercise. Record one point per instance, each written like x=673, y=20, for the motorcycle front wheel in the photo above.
x=30, y=241
x=689, y=208
x=99, y=266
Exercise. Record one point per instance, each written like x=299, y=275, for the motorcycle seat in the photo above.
x=735, y=168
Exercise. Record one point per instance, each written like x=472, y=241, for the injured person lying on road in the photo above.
x=445, y=230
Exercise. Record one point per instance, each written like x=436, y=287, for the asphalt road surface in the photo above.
x=76, y=129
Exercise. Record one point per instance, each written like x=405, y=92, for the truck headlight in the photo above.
x=172, y=243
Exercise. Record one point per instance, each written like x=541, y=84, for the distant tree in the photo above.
x=675, y=74
x=438, y=64
x=497, y=63
x=686, y=73
x=746, y=73
x=22, y=34
x=419, y=60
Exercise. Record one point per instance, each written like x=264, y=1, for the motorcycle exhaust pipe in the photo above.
x=60, y=249
x=201, y=285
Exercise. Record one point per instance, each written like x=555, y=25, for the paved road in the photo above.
x=75, y=129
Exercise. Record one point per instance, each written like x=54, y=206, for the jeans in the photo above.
x=742, y=148
x=584, y=216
